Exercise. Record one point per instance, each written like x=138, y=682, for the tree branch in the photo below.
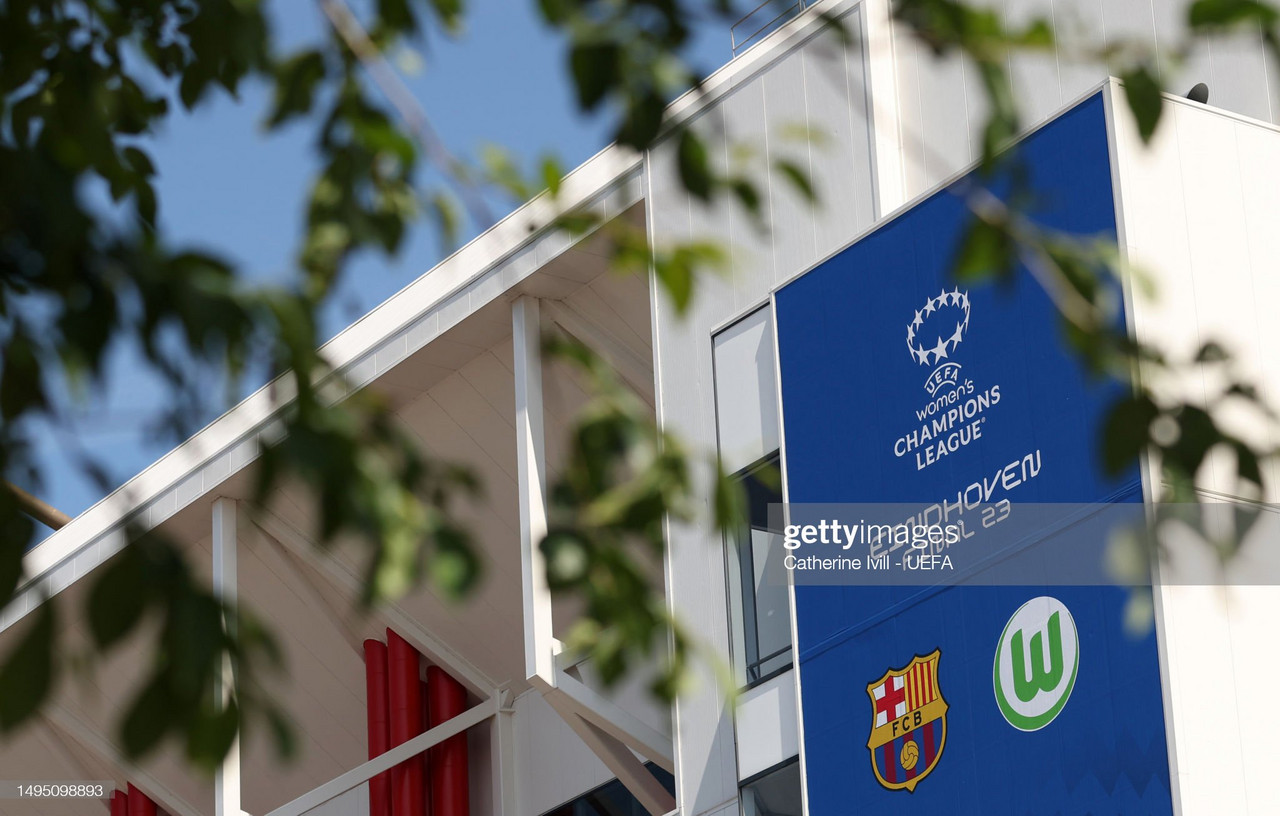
x=39, y=510
x=406, y=104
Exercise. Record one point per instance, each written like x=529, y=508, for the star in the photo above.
x=911, y=335
x=915, y=324
x=940, y=350
x=928, y=307
x=920, y=355
x=957, y=337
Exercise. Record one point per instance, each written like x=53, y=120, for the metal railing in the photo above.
x=782, y=12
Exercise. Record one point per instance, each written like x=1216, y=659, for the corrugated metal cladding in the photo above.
x=822, y=85
x=941, y=99
x=1199, y=209
x=930, y=111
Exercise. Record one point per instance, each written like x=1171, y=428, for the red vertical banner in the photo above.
x=450, y=794
x=139, y=803
x=425, y=756
x=119, y=803
x=408, y=795
x=378, y=718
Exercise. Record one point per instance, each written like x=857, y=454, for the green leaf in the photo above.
x=1126, y=431
x=27, y=676
x=282, y=732
x=552, y=173
x=694, y=167
x=16, y=530
x=987, y=250
x=730, y=501
x=799, y=179
x=1218, y=14
x=642, y=121
x=594, y=66
x=1211, y=352
x=149, y=718
x=211, y=734
x=119, y=597
x=1145, y=100
x=296, y=81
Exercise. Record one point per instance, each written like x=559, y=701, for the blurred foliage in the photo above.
x=84, y=85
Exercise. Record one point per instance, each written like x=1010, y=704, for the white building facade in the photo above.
x=1175, y=720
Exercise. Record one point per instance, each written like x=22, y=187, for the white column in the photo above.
x=505, y=781
x=526, y=324
x=881, y=71
x=226, y=791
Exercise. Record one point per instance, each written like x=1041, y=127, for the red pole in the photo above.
x=450, y=794
x=408, y=796
x=378, y=718
x=139, y=803
x=119, y=803
x=426, y=755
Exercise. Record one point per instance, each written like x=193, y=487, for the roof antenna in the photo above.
x=1199, y=93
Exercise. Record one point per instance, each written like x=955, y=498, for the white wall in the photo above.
x=820, y=83
x=1200, y=213
x=766, y=722
x=552, y=764
x=941, y=103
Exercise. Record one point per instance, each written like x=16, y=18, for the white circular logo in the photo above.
x=1036, y=663
x=938, y=327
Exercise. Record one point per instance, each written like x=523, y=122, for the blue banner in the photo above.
x=898, y=385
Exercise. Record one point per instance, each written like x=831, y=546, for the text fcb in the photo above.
x=908, y=723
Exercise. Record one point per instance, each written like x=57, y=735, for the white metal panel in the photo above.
x=746, y=411
x=941, y=103
x=1238, y=65
x=836, y=106
x=706, y=757
x=1198, y=210
x=767, y=725
x=747, y=145
x=552, y=764
x=791, y=215
x=1036, y=80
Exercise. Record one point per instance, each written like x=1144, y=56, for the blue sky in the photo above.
x=226, y=186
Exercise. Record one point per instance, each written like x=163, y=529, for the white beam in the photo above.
x=885, y=122
x=226, y=780
x=539, y=654
x=311, y=586
x=617, y=757
x=619, y=723
x=61, y=720
x=344, y=579
x=504, y=758
x=634, y=370
x=384, y=762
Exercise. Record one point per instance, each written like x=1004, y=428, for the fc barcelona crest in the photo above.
x=908, y=723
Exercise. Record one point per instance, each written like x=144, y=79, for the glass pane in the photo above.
x=775, y=794
x=759, y=611
x=773, y=618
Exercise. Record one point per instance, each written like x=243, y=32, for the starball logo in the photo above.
x=934, y=321
x=953, y=416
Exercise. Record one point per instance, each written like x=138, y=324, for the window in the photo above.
x=776, y=792
x=748, y=433
x=760, y=609
x=612, y=798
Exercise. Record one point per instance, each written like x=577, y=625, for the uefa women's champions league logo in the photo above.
x=936, y=332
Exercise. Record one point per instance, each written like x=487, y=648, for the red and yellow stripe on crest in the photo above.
x=921, y=684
